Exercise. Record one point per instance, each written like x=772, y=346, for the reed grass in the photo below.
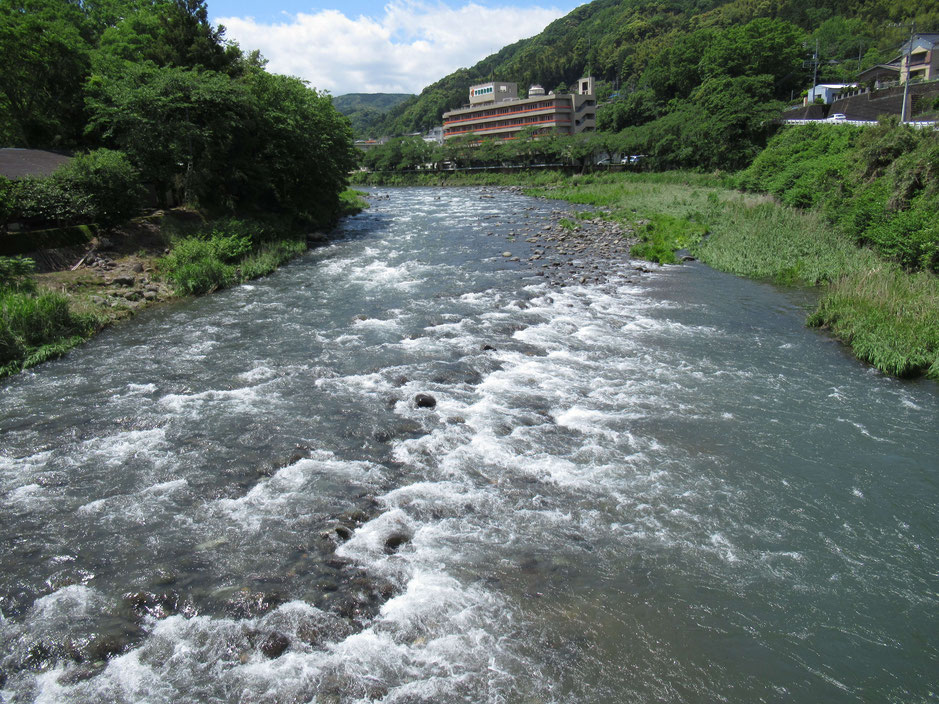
x=37, y=326
x=219, y=258
x=889, y=317
x=764, y=240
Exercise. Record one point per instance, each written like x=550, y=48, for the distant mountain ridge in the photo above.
x=621, y=41
x=366, y=110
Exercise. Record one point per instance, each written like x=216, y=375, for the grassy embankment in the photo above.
x=886, y=309
x=42, y=319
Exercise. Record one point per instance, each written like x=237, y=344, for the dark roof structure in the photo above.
x=880, y=71
x=20, y=163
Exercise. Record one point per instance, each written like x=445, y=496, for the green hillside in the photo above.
x=366, y=110
x=647, y=54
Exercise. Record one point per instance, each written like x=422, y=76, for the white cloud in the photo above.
x=412, y=45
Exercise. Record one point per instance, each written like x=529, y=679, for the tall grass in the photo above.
x=890, y=318
x=351, y=202
x=225, y=253
x=34, y=325
x=764, y=240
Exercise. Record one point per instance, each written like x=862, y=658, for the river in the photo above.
x=657, y=488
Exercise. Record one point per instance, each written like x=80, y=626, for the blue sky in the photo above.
x=364, y=46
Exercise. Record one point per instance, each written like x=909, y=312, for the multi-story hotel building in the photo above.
x=496, y=112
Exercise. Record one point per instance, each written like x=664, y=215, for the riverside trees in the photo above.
x=195, y=115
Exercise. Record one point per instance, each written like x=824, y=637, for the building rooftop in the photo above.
x=20, y=163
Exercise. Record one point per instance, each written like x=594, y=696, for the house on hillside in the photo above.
x=495, y=111
x=919, y=59
x=826, y=91
x=435, y=136
x=366, y=144
x=22, y=163
x=880, y=75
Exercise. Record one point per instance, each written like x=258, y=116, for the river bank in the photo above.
x=886, y=315
x=77, y=292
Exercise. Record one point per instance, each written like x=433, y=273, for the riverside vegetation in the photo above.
x=150, y=96
x=43, y=316
x=849, y=211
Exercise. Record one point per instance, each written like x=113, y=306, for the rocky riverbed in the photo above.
x=567, y=247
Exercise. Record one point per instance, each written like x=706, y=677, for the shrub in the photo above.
x=203, y=264
x=107, y=180
x=16, y=274
x=7, y=204
x=30, y=322
x=45, y=201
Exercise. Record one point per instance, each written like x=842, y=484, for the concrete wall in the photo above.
x=889, y=101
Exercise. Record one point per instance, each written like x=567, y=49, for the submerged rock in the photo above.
x=394, y=541
x=274, y=645
x=425, y=401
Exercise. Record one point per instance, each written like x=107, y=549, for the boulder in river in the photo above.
x=274, y=645
x=394, y=541
x=425, y=401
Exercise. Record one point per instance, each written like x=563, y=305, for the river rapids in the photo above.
x=649, y=487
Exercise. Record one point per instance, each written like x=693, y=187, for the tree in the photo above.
x=763, y=47
x=45, y=61
x=303, y=149
x=175, y=124
x=166, y=33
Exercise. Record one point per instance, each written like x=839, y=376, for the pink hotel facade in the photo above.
x=495, y=111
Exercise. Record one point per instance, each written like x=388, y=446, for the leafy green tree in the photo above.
x=108, y=180
x=44, y=55
x=302, y=152
x=763, y=47
x=735, y=118
x=165, y=33
x=175, y=124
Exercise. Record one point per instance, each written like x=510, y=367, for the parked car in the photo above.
x=837, y=117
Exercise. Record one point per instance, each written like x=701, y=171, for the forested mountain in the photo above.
x=154, y=82
x=648, y=54
x=366, y=110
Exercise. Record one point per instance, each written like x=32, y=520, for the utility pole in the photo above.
x=815, y=72
x=906, y=83
x=814, y=63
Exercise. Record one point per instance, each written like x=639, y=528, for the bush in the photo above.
x=16, y=274
x=44, y=201
x=107, y=180
x=29, y=323
x=7, y=191
x=101, y=186
x=879, y=190
x=231, y=251
x=203, y=264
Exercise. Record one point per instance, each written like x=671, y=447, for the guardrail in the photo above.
x=860, y=123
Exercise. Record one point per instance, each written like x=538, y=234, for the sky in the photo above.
x=365, y=46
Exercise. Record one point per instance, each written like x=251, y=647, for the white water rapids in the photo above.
x=660, y=488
